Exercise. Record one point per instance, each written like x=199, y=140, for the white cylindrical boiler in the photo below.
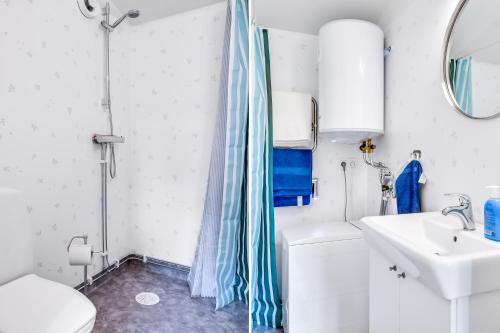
x=351, y=81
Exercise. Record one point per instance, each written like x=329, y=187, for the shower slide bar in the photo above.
x=105, y=141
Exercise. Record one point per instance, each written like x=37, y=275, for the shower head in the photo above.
x=133, y=13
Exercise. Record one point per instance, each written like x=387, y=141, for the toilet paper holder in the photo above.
x=85, y=279
x=84, y=237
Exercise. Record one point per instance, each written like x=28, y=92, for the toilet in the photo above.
x=324, y=278
x=29, y=303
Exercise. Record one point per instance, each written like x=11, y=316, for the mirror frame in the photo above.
x=446, y=68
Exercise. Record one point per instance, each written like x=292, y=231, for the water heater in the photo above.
x=351, y=81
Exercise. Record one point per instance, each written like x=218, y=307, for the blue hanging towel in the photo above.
x=292, y=176
x=408, y=188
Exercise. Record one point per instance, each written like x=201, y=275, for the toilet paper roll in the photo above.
x=80, y=255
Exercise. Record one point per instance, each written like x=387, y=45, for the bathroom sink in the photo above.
x=437, y=251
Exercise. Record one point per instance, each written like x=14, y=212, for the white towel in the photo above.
x=292, y=119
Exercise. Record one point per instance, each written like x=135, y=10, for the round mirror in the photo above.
x=471, y=60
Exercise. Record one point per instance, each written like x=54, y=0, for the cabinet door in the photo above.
x=384, y=296
x=421, y=310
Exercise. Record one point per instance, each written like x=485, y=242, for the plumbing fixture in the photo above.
x=343, y=165
x=386, y=176
x=106, y=102
x=133, y=13
x=100, y=139
x=463, y=210
x=110, y=140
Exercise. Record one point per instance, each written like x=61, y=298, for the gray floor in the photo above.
x=117, y=310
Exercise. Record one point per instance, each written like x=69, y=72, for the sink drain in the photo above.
x=147, y=298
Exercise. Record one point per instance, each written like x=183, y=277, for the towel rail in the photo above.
x=314, y=132
x=314, y=124
x=314, y=128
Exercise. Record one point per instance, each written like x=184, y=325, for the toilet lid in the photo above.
x=33, y=304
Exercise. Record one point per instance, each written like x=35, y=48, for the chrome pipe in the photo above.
x=143, y=259
x=106, y=102
x=104, y=206
x=386, y=179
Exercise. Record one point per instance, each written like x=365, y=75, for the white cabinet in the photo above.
x=402, y=304
x=420, y=309
x=325, y=279
x=399, y=303
x=384, y=296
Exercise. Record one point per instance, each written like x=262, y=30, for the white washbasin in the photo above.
x=437, y=251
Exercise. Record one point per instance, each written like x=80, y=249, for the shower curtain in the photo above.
x=266, y=305
x=461, y=82
x=220, y=266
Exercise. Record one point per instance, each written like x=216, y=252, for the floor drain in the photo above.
x=147, y=298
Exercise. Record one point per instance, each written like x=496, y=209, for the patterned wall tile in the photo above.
x=175, y=68
x=51, y=87
x=456, y=156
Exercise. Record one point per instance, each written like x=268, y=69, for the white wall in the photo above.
x=458, y=153
x=485, y=88
x=50, y=88
x=175, y=64
x=165, y=80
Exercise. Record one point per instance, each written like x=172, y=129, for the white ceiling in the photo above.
x=305, y=16
x=308, y=16
x=156, y=9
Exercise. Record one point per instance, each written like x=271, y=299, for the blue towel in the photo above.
x=291, y=201
x=292, y=176
x=408, y=188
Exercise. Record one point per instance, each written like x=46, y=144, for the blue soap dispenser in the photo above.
x=492, y=214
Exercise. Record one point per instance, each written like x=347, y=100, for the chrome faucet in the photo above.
x=463, y=210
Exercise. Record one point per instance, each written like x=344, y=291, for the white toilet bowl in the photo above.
x=29, y=303
x=32, y=304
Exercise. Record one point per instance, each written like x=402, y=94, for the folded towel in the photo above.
x=292, y=176
x=292, y=118
x=292, y=201
x=408, y=188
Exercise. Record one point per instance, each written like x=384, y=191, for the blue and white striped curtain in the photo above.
x=266, y=305
x=461, y=83
x=220, y=267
